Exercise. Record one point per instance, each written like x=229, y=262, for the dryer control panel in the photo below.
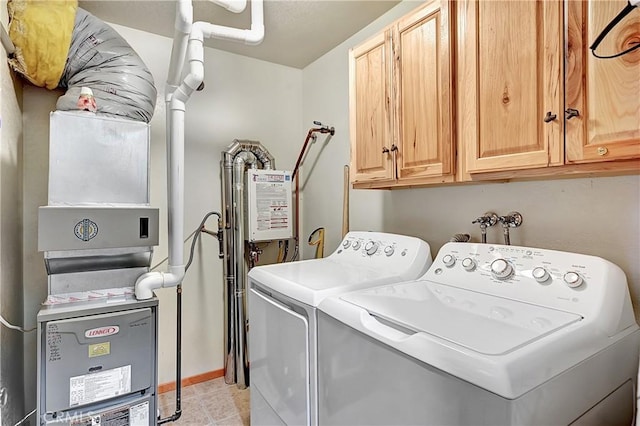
x=384, y=251
x=590, y=286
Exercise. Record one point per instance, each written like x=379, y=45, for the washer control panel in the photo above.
x=384, y=251
x=562, y=280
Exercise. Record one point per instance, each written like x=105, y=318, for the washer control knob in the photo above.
x=501, y=269
x=448, y=260
x=346, y=243
x=371, y=247
x=356, y=245
x=468, y=264
x=572, y=279
x=540, y=274
x=389, y=250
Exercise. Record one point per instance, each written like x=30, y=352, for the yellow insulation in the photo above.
x=41, y=31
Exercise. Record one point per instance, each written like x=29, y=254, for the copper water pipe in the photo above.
x=310, y=135
x=323, y=129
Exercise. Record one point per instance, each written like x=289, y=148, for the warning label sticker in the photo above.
x=139, y=414
x=98, y=386
x=135, y=415
x=272, y=206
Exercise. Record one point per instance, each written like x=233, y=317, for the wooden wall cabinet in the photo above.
x=530, y=101
x=370, y=110
x=517, y=110
x=509, y=79
x=605, y=92
x=401, y=106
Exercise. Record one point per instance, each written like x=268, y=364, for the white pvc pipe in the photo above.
x=8, y=45
x=183, y=24
x=176, y=99
x=252, y=37
x=235, y=6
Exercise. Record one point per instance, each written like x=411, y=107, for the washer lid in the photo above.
x=483, y=323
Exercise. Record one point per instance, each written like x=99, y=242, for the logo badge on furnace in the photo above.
x=85, y=230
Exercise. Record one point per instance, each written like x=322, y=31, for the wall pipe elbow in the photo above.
x=255, y=35
x=147, y=283
x=252, y=37
x=195, y=77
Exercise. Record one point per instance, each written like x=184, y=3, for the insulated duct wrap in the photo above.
x=61, y=45
x=99, y=58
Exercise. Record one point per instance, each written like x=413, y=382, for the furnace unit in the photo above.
x=97, y=344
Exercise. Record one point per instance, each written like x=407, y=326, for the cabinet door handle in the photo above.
x=385, y=150
x=549, y=117
x=571, y=112
x=394, y=152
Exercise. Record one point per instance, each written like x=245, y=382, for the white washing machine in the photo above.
x=490, y=335
x=282, y=317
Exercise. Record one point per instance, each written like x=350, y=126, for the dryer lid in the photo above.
x=483, y=323
x=310, y=281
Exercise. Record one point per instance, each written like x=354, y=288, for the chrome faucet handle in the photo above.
x=511, y=220
x=488, y=219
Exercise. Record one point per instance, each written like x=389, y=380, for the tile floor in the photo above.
x=208, y=403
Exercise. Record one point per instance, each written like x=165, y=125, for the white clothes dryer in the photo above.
x=490, y=335
x=282, y=316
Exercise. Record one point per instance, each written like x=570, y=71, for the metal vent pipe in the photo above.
x=239, y=156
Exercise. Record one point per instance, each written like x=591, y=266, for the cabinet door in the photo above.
x=422, y=77
x=606, y=92
x=370, y=110
x=509, y=77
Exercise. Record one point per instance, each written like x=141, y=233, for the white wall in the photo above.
x=597, y=216
x=10, y=238
x=243, y=99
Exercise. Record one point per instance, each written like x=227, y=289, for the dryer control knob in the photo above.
x=389, y=250
x=346, y=243
x=501, y=269
x=371, y=247
x=468, y=264
x=572, y=279
x=356, y=245
x=448, y=260
x=540, y=274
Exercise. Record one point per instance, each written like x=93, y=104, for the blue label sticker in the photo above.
x=85, y=230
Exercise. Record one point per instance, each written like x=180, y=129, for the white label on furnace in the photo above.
x=139, y=414
x=98, y=386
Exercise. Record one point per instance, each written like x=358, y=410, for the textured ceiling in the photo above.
x=297, y=32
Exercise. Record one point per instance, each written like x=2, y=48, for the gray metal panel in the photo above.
x=75, y=310
x=94, y=280
x=116, y=413
x=73, y=228
x=97, y=159
x=69, y=352
x=99, y=262
x=94, y=307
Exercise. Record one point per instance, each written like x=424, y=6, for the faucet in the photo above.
x=511, y=220
x=488, y=219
